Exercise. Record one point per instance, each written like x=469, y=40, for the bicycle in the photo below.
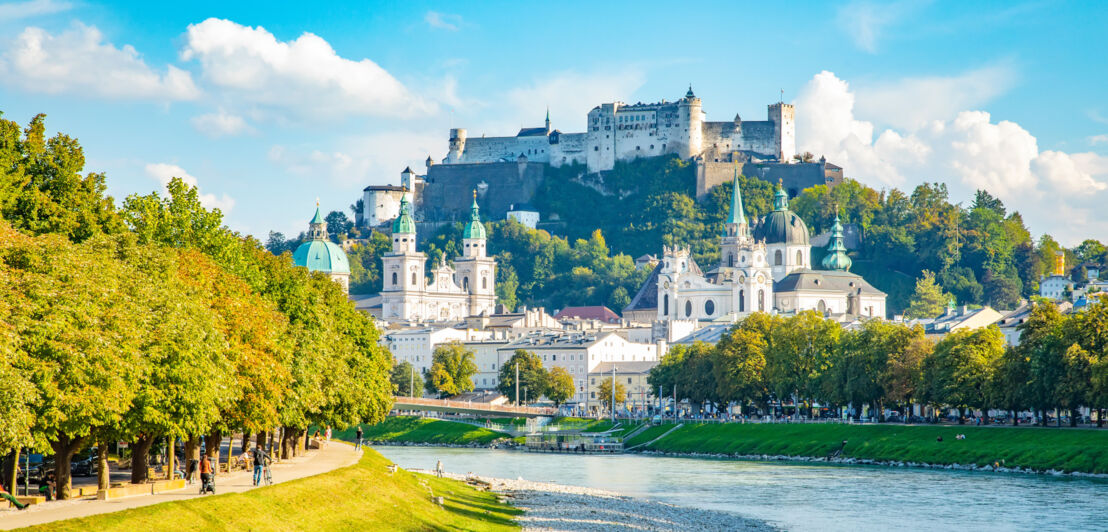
x=267, y=477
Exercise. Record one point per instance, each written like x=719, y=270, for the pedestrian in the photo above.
x=47, y=485
x=205, y=473
x=438, y=468
x=260, y=457
x=327, y=435
x=11, y=498
x=190, y=470
x=358, y=435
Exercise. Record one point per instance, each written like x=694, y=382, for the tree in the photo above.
x=560, y=387
x=960, y=370
x=1009, y=383
x=800, y=351
x=740, y=362
x=338, y=225
x=1075, y=388
x=605, y=394
x=276, y=244
x=901, y=378
x=452, y=370
x=1042, y=341
x=928, y=300
x=532, y=375
x=406, y=381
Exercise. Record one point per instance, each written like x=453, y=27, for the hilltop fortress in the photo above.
x=620, y=132
x=506, y=171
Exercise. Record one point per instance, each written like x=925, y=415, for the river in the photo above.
x=804, y=497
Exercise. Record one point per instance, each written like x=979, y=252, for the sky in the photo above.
x=266, y=107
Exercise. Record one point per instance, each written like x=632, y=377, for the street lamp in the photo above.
x=613, y=395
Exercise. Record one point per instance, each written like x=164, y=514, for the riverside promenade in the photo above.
x=333, y=456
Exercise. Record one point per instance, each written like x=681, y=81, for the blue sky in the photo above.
x=267, y=106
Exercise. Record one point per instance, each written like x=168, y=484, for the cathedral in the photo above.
x=456, y=292
x=763, y=268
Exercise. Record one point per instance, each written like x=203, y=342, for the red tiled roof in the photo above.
x=601, y=313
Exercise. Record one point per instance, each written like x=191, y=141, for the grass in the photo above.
x=423, y=430
x=363, y=496
x=1041, y=449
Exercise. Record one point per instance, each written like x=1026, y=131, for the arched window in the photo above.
x=731, y=260
x=777, y=258
x=688, y=309
x=394, y=278
x=799, y=257
x=762, y=300
x=413, y=279
x=665, y=305
x=709, y=307
x=465, y=283
x=822, y=307
x=484, y=282
x=742, y=300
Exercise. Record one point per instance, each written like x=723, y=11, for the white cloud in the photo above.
x=33, y=8
x=303, y=76
x=443, y=21
x=968, y=151
x=220, y=124
x=1098, y=139
x=78, y=61
x=866, y=22
x=570, y=95
x=912, y=102
x=164, y=172
x=363, y=160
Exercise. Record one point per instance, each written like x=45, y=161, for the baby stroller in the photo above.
x=208, y=486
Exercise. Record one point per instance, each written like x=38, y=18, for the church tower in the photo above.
x=402, y=268
x=736, y=232
x=476, y=271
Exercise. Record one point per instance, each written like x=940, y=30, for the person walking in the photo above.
x=260, y=457
x=358, y=435
x=205, y=473
x=11, y=498
x=439, y=470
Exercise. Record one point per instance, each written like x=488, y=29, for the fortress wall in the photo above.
x=634, y=143
x=757, y=137
x=490, y=149
x=445, y=196
x=794, y=177
x=569, y=149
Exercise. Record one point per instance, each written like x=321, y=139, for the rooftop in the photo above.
x=600, y=313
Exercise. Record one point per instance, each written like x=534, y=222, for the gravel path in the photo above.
x=550, y=507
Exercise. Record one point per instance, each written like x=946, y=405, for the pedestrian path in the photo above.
x=334, y=456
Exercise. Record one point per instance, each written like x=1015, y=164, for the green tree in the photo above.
x=560, y=388
x=452, y=370
x=338, y=225
x=801, y=349
x=740, y=363
x=406, y=381
x=1075, y=388
x=928, y=300
x=960, y=370
x=901, y=378
x=532, y=375
x=1043, y=342
x=1010, y=381
x=604, y=394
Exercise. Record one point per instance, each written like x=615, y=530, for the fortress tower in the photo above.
x=784, y=130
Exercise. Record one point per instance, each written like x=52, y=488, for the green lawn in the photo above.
x=363, y=496
x=423, y=430
x=1084, y=450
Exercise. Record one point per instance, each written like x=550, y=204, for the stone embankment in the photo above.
x=503, y=443
x=550, y=507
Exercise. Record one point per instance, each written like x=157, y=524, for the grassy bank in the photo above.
x=423, y=430
x=363, y=496
x=1084, y=450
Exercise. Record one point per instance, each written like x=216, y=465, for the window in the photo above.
x=665, y=305
x=394, y=278
x=465, y=283
x=762, y=300
x=742, y=300
x=628, y=380
x=777, y=258
x=593, y=380
x=822, y=306
x=554, y=357
x=592, y=394
x=709, y=307
x=730, y=260
x=688, y=308
x=485, y=282
x=799, y=257
x=413, y=279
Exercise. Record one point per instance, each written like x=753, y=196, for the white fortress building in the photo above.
x=766, y=268
x=619, y=132
x=466, y=289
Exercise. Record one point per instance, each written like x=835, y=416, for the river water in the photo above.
x=803, y=497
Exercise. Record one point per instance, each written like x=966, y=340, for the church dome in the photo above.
x=782, y=226
x=404, y=222
x=474, y=228
x=321, y=256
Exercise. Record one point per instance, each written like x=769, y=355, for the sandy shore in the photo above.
x=550, y=507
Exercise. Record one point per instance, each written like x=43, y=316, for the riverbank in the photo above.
x=552, y=507
x=418, y=430
x=362, y=496
x=1012, y=449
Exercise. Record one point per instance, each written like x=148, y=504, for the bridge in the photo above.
x=467, y=407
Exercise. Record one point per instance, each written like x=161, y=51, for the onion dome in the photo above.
x=404, y=222
x=474, y=228
x=782, y=226
x=836, y=258
x=319, y=254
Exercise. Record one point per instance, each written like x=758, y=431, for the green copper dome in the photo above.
x=404, y=222
x=321, y=256
x=836, y=258
x=782, y=226
x=474, y=228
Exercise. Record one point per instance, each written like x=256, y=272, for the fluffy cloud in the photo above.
x=32, y=8
x=220, y=124
x=933, y=97
x=78, y=61
x=358, y=161
x=303, y=76
x=865, y=22
x=968, y=151
x=163, y=173
x=443, y=21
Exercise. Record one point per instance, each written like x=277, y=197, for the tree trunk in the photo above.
x=64, y=448
x=211, y=446
x=103, y=473
x=259, y=440
x=1015, y=418
x=306, y=446
x=1073, y=417
x=140, y=449
x=170, y=456
x=1099, y=418
x=10, y=474
x=282, y=440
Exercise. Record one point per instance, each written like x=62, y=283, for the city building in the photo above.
x=318, y=254
x=525, y=214
x=417, y=345
x=467, y=288
x=631, y=375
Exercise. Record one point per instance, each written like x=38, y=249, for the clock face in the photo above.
x=666, y=285
x=761, y=279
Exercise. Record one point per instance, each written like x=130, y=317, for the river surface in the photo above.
x=803, y=497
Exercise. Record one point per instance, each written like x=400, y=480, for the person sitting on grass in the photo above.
x=11, y=498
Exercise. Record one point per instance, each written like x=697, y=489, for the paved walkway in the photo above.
x=335, y=455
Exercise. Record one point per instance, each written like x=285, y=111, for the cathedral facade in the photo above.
x=764, y=268
x=467, y=288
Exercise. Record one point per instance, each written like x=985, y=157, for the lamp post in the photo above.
x=517, y=383
x=613, y=395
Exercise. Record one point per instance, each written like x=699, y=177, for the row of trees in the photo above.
x=154, y=321
x=1060, y=363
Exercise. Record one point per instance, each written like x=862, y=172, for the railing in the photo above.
x=400, y=402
